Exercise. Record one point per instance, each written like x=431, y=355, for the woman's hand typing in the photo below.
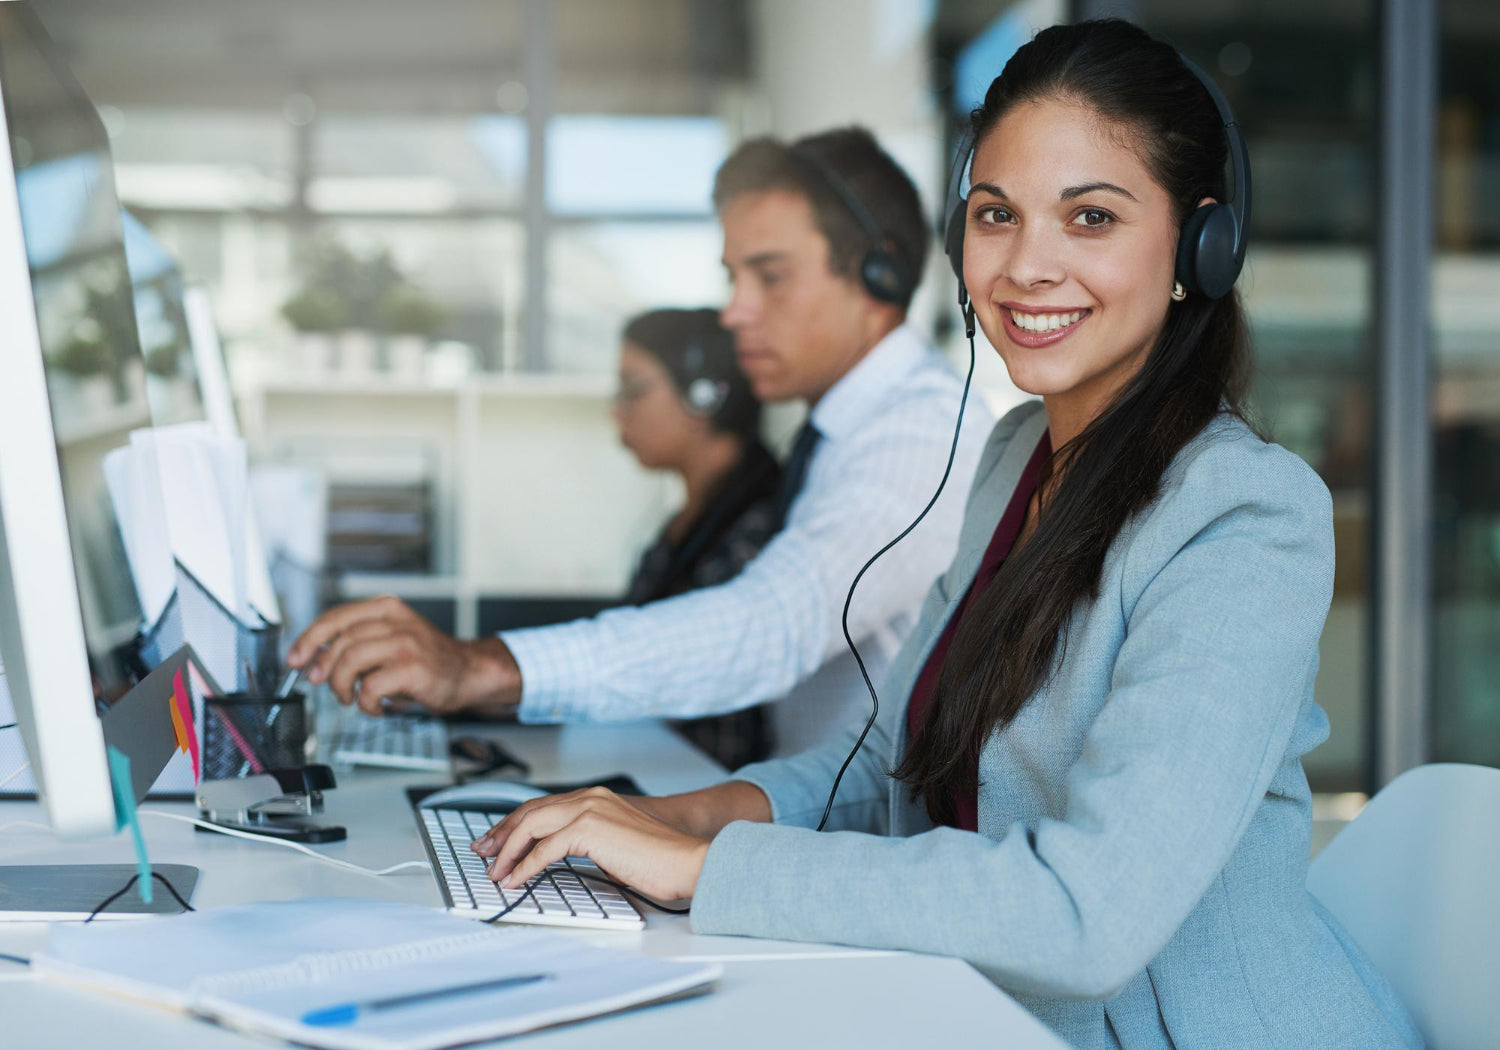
x=657, y=845
x=631, y=843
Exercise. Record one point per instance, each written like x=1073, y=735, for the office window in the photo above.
x=398, y=164
x=631, y=227
x=201, y=159
x=603, y=165
x=455, y=280
x=1466, y=407
x=602, y=273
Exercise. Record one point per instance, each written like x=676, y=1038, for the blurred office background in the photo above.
x=422, y=226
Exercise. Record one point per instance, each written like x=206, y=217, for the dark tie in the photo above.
x=794, y=474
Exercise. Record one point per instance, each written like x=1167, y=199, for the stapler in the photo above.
x=278, y=802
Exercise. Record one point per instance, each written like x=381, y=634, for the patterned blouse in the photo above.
x=741, y=517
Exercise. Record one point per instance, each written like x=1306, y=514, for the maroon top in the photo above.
x=966, y=804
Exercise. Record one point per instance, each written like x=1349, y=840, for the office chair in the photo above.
x=1412, y=879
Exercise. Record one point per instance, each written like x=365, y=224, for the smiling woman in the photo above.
x=1107, y=697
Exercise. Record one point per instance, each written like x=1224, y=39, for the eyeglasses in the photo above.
x=632, y=390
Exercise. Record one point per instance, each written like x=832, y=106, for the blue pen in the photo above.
x=348, y=1013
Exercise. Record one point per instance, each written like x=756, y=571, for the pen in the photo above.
x=289, y=683
x=348, y=1013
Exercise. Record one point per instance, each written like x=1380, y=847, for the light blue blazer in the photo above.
x=1139, y=876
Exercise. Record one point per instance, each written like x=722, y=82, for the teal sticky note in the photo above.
x=125, y=816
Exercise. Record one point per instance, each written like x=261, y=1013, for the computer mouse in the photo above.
x=493, y=795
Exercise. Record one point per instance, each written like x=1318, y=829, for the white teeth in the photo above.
x=1045, y=322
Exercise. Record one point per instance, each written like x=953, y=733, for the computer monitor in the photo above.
x=73, y=387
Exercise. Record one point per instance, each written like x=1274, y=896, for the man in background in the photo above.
x=800, y=223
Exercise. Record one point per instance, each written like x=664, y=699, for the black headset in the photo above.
x=1210, y=250
x=882, y=273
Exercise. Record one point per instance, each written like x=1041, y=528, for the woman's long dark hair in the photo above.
x=1006, y=648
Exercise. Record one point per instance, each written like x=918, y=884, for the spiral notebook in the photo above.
x=317, y=971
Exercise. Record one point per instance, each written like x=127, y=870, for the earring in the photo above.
x=1179, y=293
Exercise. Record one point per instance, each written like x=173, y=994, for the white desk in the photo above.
x=772, y=991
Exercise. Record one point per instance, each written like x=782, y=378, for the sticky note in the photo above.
x=125, y=816
x=179, y=731
x=184, y=708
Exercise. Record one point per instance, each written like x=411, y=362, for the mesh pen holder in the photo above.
x=244, y=735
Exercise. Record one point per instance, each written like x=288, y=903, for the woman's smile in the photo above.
x=1036, y=327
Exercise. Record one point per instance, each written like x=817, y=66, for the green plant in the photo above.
x=86, y=353
x=163, y=360
x=344, y=290
x=408, y=310
x=316, y=310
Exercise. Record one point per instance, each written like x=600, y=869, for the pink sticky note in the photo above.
x=184, y=708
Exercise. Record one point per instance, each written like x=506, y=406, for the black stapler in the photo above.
x=278, y=802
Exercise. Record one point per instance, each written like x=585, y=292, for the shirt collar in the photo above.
x=848, y=403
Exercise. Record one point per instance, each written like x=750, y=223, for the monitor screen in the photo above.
x=173, y=390
x=95, y=375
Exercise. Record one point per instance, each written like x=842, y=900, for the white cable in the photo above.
x=25, y=824
x=237, y=833
x=9, y=777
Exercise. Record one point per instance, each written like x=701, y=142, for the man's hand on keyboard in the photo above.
x=628, y=842
x=373, y=650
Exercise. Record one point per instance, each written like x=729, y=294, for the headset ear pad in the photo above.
x=953, y=238
x=1205, y=251
x=885, y=278
x=705, y=396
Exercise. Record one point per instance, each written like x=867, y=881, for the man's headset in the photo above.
x=882, y=273
x=1210, y=250
x=1210, y=255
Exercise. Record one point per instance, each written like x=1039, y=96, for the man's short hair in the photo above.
x=764, y=164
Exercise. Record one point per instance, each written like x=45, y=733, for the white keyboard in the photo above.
x=558, y=897
x=395, y=741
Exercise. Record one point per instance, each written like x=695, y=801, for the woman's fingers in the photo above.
x=529, y=829
x=488, y=844
x=491, y=841
x=545, y=851
x=635, y=846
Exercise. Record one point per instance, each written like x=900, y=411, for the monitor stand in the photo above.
x=62, y=892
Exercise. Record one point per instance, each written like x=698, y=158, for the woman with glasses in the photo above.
x=683, y=405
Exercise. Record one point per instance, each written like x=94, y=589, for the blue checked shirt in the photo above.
x=774, y=630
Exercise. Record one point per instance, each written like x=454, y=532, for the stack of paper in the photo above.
x=181, y=493
x=362, y=974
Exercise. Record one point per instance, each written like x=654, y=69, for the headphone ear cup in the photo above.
x=1205, y=252
x=953, y=238
x=705, y=396
x=885, y=278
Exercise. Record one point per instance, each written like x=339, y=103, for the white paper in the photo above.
x=263, y=966
x=130, y=474
x=198, y=480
